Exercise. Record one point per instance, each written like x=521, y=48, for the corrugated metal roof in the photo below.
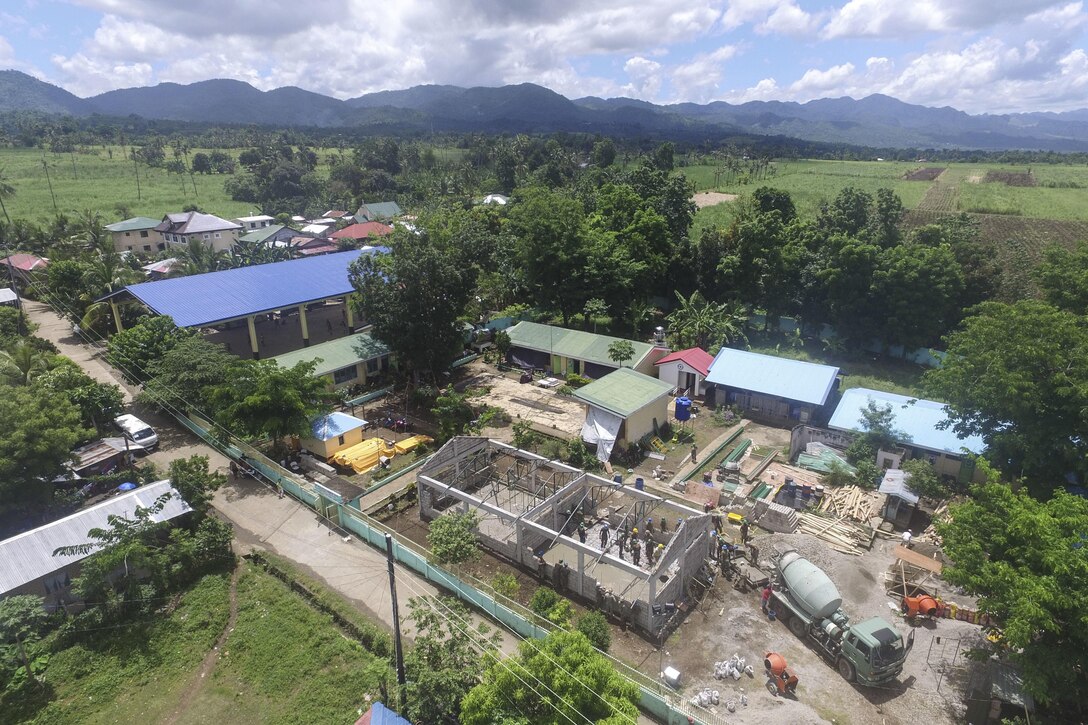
x=336, y=354
x=574, y=344
x=334, y=424
x=623, y=392
x=193, y=222
x=259, y=235
x=136, y=223
x=29, y=555
x=696, y=358
x=797, y=380
x=379, y=714
x=917, y=418
x=7, y=294
x=363, y=231
x=378, y=210
x=202, y=299
x=896, y=483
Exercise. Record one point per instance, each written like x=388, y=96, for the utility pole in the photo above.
x=399, y=652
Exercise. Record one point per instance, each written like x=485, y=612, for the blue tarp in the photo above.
x=204, y=299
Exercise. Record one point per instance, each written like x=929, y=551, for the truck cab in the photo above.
x=873, y=652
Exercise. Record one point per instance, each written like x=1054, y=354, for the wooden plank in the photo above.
x=919, y=560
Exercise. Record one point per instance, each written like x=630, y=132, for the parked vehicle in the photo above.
x=137, y=431
x=871, y=652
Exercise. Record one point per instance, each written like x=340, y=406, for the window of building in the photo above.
x=147, y=247
x=161, y=246
x=340, y=440
x=207, y=236
x=128, y=234
x=345, y=374
x=144, y=234
x=217, y=235
x=372, y=366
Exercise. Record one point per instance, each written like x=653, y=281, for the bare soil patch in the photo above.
x=929, y=173
x=710, y=198
x=974, y=179
x=1010, y=178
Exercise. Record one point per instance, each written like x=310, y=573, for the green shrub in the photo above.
x=543, y=600
x=595, y=627
x=506, y=585
x=575, y=380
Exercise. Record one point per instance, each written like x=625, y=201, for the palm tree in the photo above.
x=705, y=324
x=90, y=229
x=198, y=258
x=23, y=363
x=6, y=192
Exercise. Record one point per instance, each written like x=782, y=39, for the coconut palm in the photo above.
x=22, y=364
x=706, y=324
x=197, y=258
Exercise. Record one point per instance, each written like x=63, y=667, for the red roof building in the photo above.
x=686, y=370
x=361, y=232
x=25, y=262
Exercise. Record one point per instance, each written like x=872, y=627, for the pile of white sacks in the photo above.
x=732, y=668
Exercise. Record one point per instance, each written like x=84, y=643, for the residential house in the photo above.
x=162, y=268
x=623, y=406
x=382, y=211
x=686, y=370
x=8, y=297
x=312, y=246
x=562, y=351
x=363, y=232
x=318, y=229
x=332, y=433
x=181, y=228
x=138, y=234
x=334, y=214
x=250, y=223
x=379, y=714
x=27, y=562
x=274, y=235
x=924, y=424
x=772, y=388
x=23, y=268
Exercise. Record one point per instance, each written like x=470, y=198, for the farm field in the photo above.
x=95, y=181
x=1022, y=219
x=282, y=662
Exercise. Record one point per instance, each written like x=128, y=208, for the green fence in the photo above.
x=655, y=698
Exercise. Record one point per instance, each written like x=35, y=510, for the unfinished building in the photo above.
x=530, y=510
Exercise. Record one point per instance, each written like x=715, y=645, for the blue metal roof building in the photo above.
x=795, y=380
x=919, y=419
x=215, y=297
x=334, y=425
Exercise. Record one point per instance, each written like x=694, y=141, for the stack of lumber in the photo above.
x=840, y=533
x=930, y=534
x=852, y=502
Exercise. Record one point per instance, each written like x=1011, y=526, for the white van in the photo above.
x=137, y=431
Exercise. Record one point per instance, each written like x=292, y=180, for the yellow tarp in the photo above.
x=363, y=456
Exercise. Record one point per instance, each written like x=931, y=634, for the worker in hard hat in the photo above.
x=908, y=539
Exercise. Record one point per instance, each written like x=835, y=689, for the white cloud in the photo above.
x=789, y=19
x=699, y=79
x=816, y=83
x=645, y=76
x=90, y=76
x=898, y=18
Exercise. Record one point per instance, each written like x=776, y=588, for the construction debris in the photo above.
x=841, y=534
x=853, y=502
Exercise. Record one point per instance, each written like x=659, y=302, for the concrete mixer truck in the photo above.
x=871, y=652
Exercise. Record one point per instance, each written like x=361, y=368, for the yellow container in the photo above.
x=735, y=518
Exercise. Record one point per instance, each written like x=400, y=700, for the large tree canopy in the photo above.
x=1027, y=561
x=572, y=681
x=1017, y=375
x=415, y=295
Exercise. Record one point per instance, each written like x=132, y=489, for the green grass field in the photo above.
x=961, y=188
x=283, y=663
x=96, y=181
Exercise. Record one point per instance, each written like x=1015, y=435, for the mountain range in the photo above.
x=877, y=121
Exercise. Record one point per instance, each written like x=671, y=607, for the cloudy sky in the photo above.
x=976, y=55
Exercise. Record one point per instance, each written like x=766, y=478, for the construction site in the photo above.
x=630, y=553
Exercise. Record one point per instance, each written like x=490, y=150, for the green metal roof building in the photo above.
x=624, y=405
x=344, y=361
x=564, y=351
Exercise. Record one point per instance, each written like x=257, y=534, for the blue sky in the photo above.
x=975, y=55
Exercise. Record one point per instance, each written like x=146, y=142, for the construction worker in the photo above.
x=650, y=550
x=582, y=532
x=694, y=450
x=664, y=525
x=744, y=531
x=636, y=551
x=659, y=551
x=765, y=598
x=604, y=536
x=908, y=535
x=649, y=527
x=621, y=539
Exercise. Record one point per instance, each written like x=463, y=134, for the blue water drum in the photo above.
x=617, y=478
x=683, y=409
x=640, y=484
